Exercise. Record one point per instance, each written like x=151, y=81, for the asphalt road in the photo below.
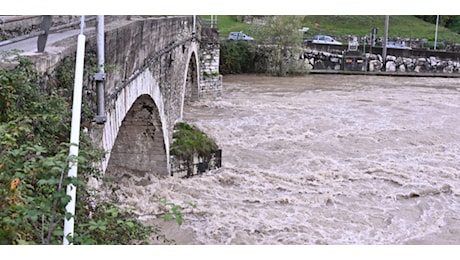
x=30, y=45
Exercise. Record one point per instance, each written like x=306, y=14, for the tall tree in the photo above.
x=451, y=22
x=282, y=31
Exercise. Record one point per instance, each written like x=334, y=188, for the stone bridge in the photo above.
x=162, y=66
x=158, y=64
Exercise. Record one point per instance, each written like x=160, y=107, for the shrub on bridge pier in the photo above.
x=190, y=143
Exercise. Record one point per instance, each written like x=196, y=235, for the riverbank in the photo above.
x=383, y=73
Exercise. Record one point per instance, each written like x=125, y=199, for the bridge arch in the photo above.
x=191, y=88
x=139, y=128
x=139, y=145
x=134, y=133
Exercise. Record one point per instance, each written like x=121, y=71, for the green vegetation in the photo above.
x=174, y=211
x=236, y=57
x=189, y=140
x=228, y=23
x=404, y=26
x=240, y=56
x=34, y=135
x=452, y=22
x=281, y=31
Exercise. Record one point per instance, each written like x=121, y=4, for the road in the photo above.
x=29, y=46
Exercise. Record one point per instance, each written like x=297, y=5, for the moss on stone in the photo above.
x=189, y=140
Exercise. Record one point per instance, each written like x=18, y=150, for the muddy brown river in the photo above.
x=322, y=159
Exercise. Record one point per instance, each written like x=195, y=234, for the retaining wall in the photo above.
x=332, y=58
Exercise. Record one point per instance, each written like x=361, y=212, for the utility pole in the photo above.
x=100, y=75
x=385, y=39
x=42, y=38
x=75, y=136
x=194, y=28
x=436, y=32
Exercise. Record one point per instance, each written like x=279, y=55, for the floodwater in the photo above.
x=322, y=159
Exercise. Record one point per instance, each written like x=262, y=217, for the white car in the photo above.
x=235, y=36
x=324, y=39
x=398, y=45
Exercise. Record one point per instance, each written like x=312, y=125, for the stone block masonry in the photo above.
x=302, y=60
x=322, y=60
x=211, y=80
x=184, y=169
x=152, y=66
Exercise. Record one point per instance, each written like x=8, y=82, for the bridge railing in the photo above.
x=208, y=23
x=45, y=28
x=16, y=18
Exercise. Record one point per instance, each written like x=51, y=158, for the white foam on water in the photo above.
x=324, y=159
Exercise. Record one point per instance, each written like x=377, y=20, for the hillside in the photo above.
x=403, y=26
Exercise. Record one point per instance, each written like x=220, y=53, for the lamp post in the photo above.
x=436, y=32
x=45, y=27
x=385, y=38
x=100, y=75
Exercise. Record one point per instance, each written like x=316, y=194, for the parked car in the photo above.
x=324, y=39
x=398, y=45
x=235, y=36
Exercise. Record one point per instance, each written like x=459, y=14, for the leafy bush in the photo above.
x=430, y=45
x=189, y=140
x=236, y=57
x=34, y=133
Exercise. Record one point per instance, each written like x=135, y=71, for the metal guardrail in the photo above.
x=209, y=23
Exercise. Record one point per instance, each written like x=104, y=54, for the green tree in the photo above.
x=236, y=57
x=451, y=22
x=282, y=31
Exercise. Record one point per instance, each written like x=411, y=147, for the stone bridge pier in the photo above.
x=159, y=65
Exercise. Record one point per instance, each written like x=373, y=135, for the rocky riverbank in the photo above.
x=303, y=60
x=375, y=62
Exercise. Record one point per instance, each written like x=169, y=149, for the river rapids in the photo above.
x=321, y=159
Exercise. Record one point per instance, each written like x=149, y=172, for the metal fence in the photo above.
x=209, y=23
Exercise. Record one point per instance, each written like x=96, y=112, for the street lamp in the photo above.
x=436, y=32
x=385, y=39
